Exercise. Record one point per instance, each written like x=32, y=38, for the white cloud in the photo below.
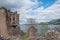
x=50, y=13
x=13, y=1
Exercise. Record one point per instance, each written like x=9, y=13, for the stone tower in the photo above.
x=9, y=22
x=3, y=25
x=32, y=31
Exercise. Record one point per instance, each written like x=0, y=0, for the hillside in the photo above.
x=54, y=22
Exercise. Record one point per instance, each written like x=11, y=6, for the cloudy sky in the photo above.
x=41, y=10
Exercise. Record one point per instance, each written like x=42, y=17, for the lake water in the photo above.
x=25, y=27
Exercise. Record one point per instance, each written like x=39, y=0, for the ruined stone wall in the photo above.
x=14, y=28
x=9, y=22
x=3, y=25
x=49, y=35
x=52, y=35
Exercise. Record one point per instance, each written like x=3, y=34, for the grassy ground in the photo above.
x=26, y=38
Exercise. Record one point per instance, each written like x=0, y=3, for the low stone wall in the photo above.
x=50, y=35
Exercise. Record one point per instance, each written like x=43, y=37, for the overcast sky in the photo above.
x=41, y=10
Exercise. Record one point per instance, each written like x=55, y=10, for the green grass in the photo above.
x=26, y=38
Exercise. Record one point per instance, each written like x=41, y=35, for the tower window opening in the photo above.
x=14, y=25
x=13, y=18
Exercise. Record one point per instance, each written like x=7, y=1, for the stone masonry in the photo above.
x=50, y=35
x=9, y=23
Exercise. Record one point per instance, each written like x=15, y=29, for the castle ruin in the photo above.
x=9, y=23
